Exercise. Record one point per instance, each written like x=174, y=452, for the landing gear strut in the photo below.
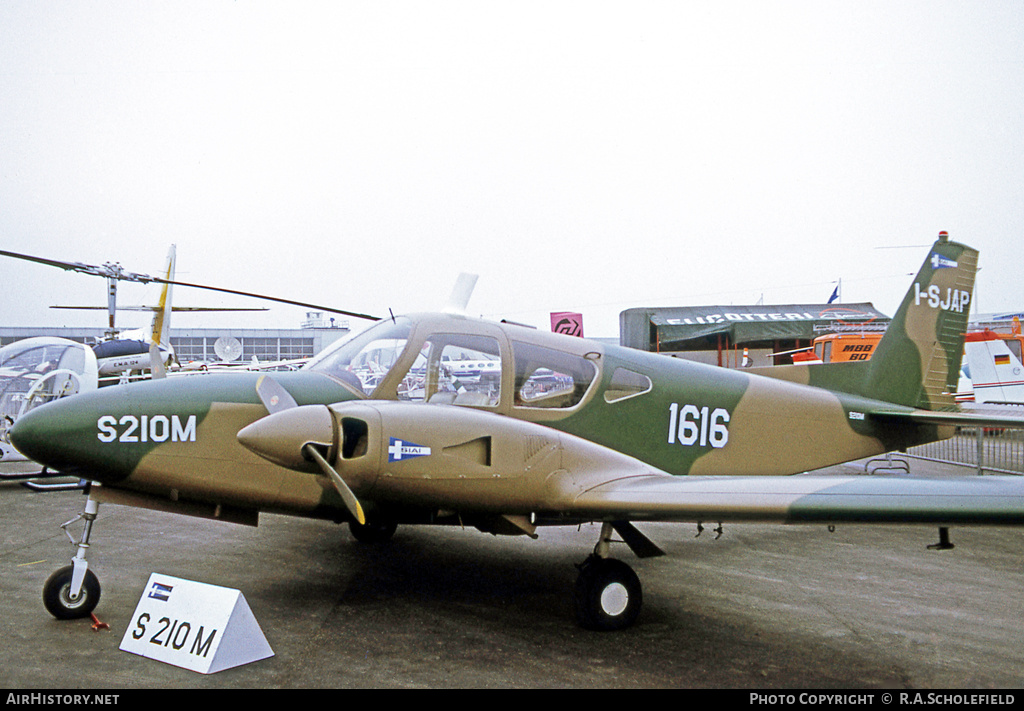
x=608, y=595
x=73, y=591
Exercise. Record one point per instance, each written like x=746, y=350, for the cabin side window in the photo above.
x=626, y=384
x=547, y=378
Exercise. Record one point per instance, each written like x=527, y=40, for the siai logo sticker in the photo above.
x=161, y=592
x=400, y=450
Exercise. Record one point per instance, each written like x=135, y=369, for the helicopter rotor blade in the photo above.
x=114, y=271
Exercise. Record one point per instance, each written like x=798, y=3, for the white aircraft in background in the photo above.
x=995, y=371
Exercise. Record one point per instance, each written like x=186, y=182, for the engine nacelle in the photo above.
x=441, y=456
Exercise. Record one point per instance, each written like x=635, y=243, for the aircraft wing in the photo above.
x=997, y=500
x=657, y=496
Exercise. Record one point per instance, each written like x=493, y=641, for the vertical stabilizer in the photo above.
x=463, y=289
x=161, y=331
x=917, y=362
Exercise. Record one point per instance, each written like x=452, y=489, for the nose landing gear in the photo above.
x=74, y=591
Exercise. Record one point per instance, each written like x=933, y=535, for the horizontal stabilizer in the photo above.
x=1006, y=418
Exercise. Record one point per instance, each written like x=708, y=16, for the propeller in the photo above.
x=283, y=437
x=351, y=502
x=114, y=272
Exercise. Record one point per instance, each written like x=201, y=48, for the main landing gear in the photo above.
x=608, y=595
x=73, y=591
x=375, y=530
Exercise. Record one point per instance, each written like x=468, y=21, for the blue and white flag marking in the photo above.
x=399, y=450
x=160, y=591
x=940, y=262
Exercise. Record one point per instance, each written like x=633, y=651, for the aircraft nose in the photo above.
x=62, y=436
x=28, y=437
x=38, y=435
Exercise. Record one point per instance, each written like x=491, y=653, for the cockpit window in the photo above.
x=1014, y=346
x=37, y=370
x=550, y=379
x=363, y=360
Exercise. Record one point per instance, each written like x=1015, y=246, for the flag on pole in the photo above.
x=835, y=292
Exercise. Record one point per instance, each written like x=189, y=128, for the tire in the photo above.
x=373, y=531
x=56, y=595
x=607, y=596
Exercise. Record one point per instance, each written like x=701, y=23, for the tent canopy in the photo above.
x=699, y=327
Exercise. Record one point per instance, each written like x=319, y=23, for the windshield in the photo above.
x=363, y=360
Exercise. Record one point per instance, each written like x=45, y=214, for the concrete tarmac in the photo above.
x=761, y=607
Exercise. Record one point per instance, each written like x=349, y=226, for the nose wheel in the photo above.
x=74, y=591
x=60, y=599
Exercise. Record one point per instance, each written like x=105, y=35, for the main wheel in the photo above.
x=373, y=531
x=608, y=595
x=57, y=595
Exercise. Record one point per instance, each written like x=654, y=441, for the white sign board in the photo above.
x=193, y=625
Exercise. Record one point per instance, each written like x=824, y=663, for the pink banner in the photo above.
x=568, y=323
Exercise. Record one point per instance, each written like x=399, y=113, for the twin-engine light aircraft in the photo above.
x=386, y=429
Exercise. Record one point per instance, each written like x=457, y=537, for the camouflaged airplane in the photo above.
x=445, y=419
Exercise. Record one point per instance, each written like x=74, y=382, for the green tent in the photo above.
x=693, y=328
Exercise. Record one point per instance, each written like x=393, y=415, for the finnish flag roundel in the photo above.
x=400, y=450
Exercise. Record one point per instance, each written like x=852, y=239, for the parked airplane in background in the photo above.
x=994, y=369
x=569, y=431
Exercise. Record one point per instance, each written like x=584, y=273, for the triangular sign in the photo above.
x=197, y=626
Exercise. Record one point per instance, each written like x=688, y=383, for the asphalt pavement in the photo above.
x=760, y=607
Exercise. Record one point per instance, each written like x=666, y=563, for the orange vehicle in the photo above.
x=859, y=345
x=840, y=347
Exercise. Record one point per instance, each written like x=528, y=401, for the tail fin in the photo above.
x=161, y=330
x=917, y=362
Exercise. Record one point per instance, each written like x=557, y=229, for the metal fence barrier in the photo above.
x=983, y=449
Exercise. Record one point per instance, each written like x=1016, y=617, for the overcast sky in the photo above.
x=589, y=156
